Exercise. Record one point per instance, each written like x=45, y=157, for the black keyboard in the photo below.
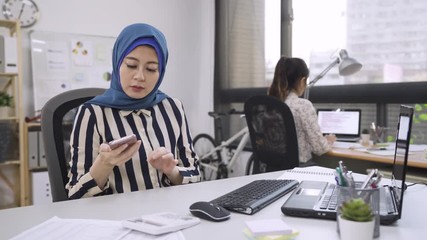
x=255, y=195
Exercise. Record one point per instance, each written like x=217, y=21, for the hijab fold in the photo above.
x=131, y=37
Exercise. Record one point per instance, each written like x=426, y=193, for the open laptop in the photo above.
x=309, y=198
x=344, y=123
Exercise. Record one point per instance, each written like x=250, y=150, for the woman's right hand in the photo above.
x=117, y=156
x=331, y=138
x=107, y=159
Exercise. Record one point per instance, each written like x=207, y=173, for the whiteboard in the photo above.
x=64, y=61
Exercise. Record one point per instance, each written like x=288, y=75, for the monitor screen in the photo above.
x=339, y=122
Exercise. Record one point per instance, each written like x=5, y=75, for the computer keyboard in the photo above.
x=255, y=195
x=386, y=202
x=330, y=198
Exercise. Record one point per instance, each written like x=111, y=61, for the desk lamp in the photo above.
x=347, y=66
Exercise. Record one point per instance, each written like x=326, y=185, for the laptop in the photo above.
x=311, y=198
x=256, y=195
x=344, y=123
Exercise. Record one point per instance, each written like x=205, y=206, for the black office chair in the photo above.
x=273, y=135
x=56, y=124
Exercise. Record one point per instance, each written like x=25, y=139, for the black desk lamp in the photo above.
x=347, y=66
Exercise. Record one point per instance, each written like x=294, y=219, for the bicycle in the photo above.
x=211, y=154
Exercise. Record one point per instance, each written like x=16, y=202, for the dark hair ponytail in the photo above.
x=280, y=84
x=287, y=73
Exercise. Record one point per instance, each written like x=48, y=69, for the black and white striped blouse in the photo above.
x=164, y=124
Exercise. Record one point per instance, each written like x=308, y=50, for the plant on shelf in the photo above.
x=6, y=100
x=356, y=210
x=366, y=137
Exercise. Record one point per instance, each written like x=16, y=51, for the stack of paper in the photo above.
x=269, y=229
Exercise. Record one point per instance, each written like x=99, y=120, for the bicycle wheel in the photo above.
x=253, y=166
x=204, y=144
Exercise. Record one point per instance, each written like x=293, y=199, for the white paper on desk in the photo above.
x=387, y=152
x=381, y=152
x=417, y=147
x=137, y=235
x=313, y=173
x=57, y=228
x=347, y=145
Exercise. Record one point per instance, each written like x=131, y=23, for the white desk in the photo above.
x=179, y=198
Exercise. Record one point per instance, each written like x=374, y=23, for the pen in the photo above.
x=374, y=149
x=375, y=183
x=349, y=178
x=342, y=167
x=371, y=174
x=341, y=179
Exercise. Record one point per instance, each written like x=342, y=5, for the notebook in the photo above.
x=255, y=195
x=344, y=123
x=311, y=198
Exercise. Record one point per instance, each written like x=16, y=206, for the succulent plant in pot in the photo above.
x=366, y=137
x=356, y=209
x=356, y=220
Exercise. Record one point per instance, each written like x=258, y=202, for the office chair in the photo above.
x=56, y=126
x=273, y=135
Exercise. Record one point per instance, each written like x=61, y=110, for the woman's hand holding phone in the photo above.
x=113, y=154
x=129, y=140
x=119, y=150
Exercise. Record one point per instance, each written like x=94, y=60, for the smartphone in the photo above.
x=118, y=142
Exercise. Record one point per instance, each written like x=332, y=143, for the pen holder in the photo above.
x=369, y=196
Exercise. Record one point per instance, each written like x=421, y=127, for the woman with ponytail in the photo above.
x=289, y=83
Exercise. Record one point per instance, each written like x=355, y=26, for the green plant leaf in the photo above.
x=422, y=117
x=356, y=209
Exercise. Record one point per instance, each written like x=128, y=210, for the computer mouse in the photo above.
x=209, y=211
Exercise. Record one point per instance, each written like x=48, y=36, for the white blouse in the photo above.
x=310, y=138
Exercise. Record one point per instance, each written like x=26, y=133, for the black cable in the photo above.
x=413, y=184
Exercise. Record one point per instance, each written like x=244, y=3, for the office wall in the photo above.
x=187, y=24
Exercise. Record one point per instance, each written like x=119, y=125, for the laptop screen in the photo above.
x=341, y=122
x=401, y=153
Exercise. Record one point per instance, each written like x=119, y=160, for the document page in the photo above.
x=57, y=228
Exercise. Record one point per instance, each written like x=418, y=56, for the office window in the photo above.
x=272, y=37
x=249, y=45
x=387, y=37
x=246, y=43
x=419, y=122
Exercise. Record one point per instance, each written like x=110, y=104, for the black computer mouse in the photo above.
x=209, y=211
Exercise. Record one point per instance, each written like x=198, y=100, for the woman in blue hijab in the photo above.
x=163, y=154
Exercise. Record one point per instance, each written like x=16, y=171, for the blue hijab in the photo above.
x=131, y=37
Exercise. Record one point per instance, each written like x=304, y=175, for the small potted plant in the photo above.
x=6, y=102
x=365, y=137
x=356, y=220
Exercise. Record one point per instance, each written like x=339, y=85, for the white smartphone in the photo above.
x=160, y=223
x=118, y=142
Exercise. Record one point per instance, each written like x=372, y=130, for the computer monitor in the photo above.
x=344, y=123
